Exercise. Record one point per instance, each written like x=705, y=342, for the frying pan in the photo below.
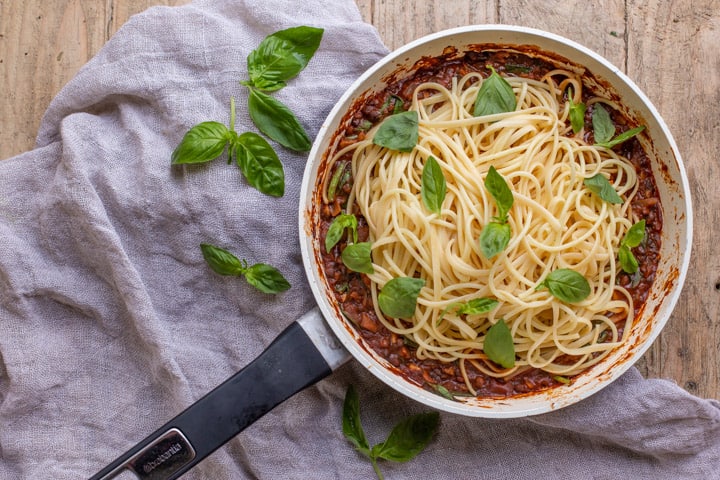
x=322, y=340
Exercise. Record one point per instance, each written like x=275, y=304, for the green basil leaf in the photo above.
x=260, y=164
x=498, y=345
x=398, y=298
x=282, y=55
x=337, y=227
x=339, y=178
x=398, y=132
x=443, y=392
x=221, y=261
x=274, y=119
x=601, y=186
x=477, y=306
x=356, y=257
x=494, y=238
x=627, y=260
x=603, y=126
x=501, y=193
x=567, y=285
x=635, y=235
x=408, y=438
x=351, y=426
x=626, y=135
x=495, y=96
x=577, y=114
x=266, y=278
x=204, y=142
x=434, y=188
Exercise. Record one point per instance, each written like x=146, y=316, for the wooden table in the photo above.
x=670, y=49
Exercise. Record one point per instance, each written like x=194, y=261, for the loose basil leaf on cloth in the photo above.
x=398, y=298
x=434, y=187
x=495, y=96
x=262, y=276
x=494, y=238
x=281, y=56
x=277, y=121
x=398, y=132
x=602, y=187
x=204, y=142
x=260, y=164
x=356, y=257
x=351, y=425
x=566, y=285
x=337, y=227
x=498, y=345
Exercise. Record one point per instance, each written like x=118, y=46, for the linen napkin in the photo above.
x=111, y=323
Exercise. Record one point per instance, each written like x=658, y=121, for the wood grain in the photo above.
x=672, y=53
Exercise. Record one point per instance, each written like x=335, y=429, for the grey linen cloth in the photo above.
x=111, y=322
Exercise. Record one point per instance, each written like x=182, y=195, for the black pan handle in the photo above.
x=300, y=356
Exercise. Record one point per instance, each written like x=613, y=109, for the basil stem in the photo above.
x=495, y=96
x=259, y=164
x=398, y=298
x=498, y=345
x=264, y=277
x=433, y=188
x=276, y=120
x=602, y=187
x=566, y=285
x=204, y=142
x=398, y=132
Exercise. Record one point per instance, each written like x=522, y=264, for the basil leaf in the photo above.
x=567, y=285
x=408, y=438
x=281, y=56
x=266, y=278
x=477, y=306
x=339, y=178
x=398, y=298
x=498, y=345
x=356, y=257
x=627, y=260
x=221, y=261
x=337, y=227
x=577, y=114
x=204, y=142
x=494, y=238
x=495, y=96
x=260, y=164
x=601, y=186
x=351, y=426
x=398, y=132
x=275, y=120
x=626, y=135
x=635, y=235
x=443, y=392
x=603, y=126
x=434, y=187
x=498, y=188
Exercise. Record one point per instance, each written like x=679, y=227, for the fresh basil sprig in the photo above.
x=601, y=186
x=566, y=285
x=495, y=236
x=495, y=96
x=262, y=276
x=398, y=132
x=398, y=298
x=604, y=129
x=498, y=345
x=633, y=237
x=577, y=113
x=337, y=227
x=281, y=56
x=406, y=440
x=434, y=187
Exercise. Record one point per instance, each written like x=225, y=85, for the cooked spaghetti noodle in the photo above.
x=556, y=222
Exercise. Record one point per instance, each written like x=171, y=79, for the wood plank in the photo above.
x=674, y=58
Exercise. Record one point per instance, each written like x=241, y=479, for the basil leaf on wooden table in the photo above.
x=202, y=143
x=337, y=227
x=566, y=285
x=356, y=257
x=260, y=164
x=434, y=187
x=495, y=96
x=398, y=132
x=398, y=298
x=277, y=121
x=281, y=56
x=602, y=187
x=262, y=276
x=498, y=345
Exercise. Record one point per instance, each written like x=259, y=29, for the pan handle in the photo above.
x=304, y=353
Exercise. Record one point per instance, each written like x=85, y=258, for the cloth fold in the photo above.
x=111, y=323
